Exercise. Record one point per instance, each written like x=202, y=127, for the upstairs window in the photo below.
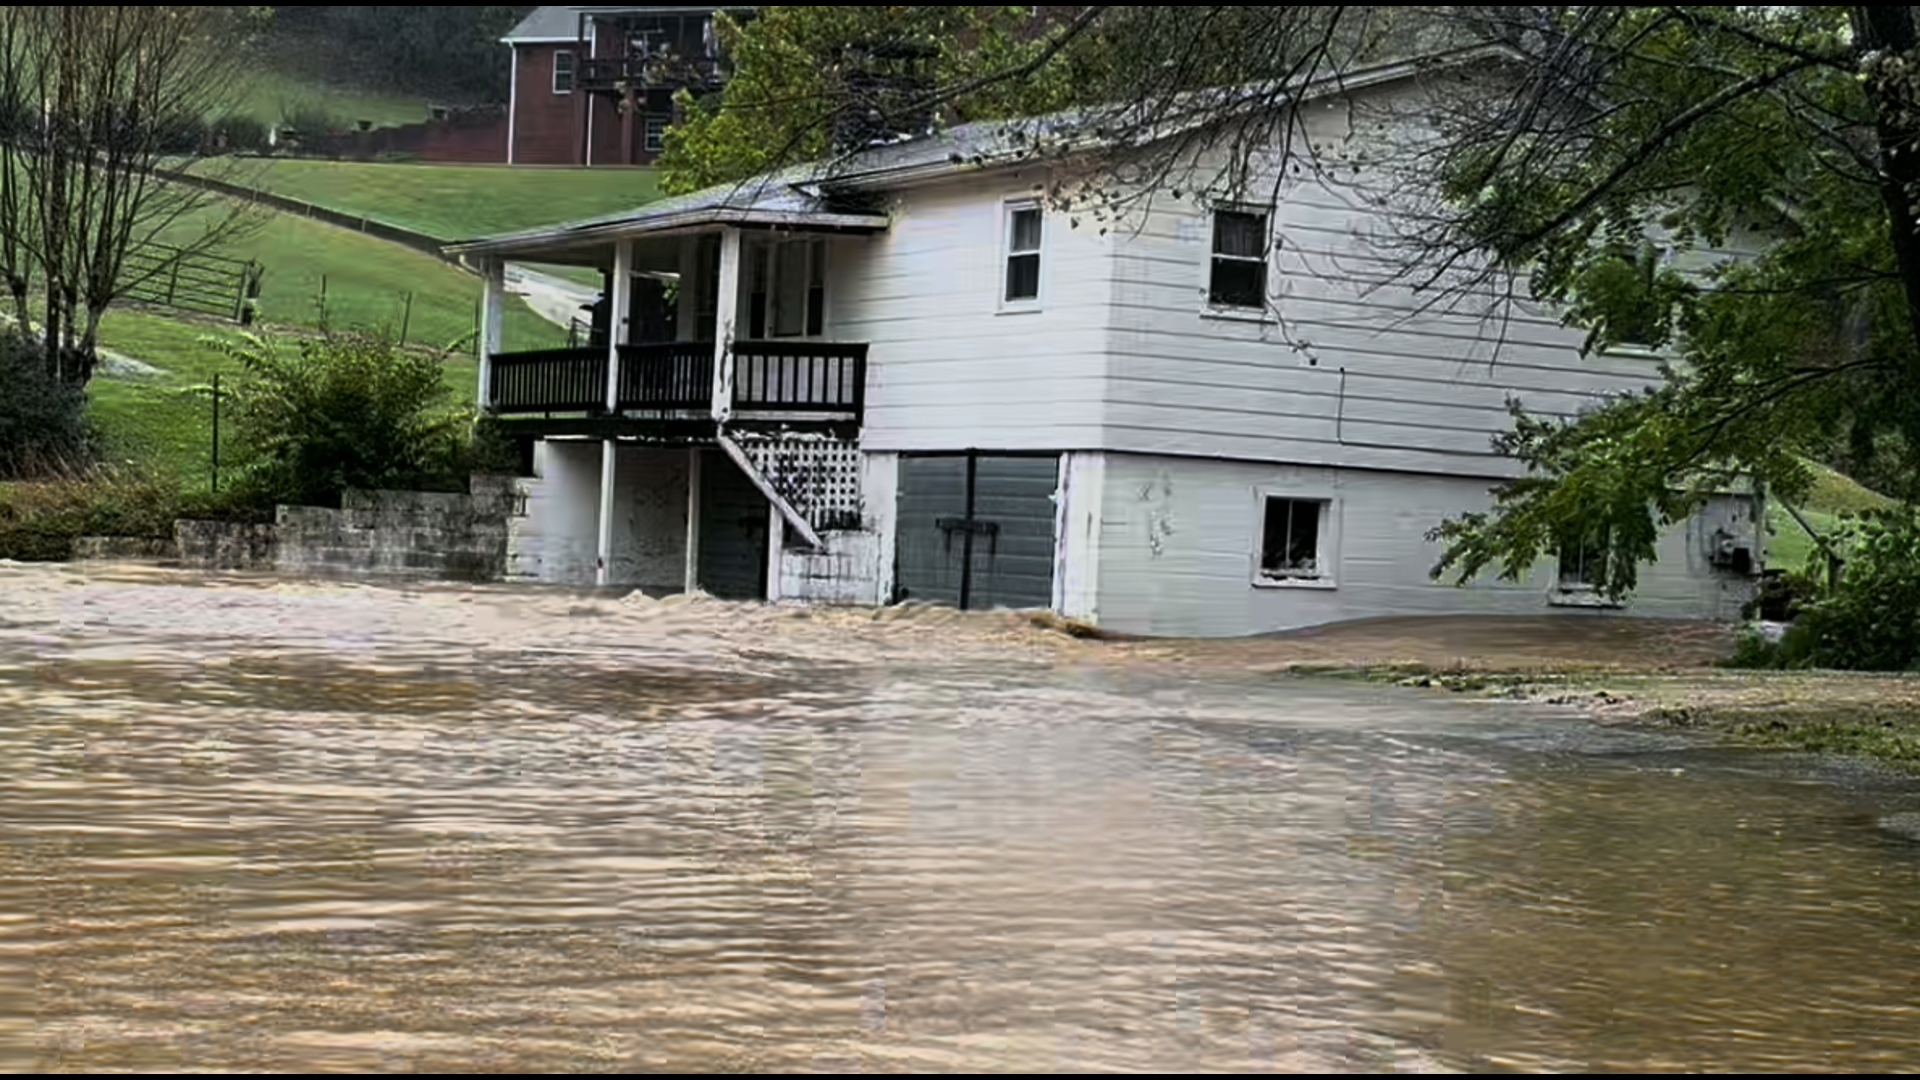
x=1239, y=275
x=563, y=72
x=1022, y=285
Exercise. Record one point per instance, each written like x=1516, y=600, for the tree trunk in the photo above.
x=1895, y=97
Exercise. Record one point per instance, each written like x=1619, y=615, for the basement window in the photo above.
x=656, y=134
x=1294, y=542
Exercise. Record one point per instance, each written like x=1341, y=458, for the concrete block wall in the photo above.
x=842, y=574
x=399, y=533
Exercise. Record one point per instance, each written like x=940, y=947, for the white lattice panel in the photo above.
x=819, y=475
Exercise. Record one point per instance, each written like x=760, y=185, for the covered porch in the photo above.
x=714, y=328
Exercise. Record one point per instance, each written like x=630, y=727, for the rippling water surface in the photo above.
x=257, y=825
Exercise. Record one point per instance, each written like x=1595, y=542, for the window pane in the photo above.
x=1241, y=234
x=1023, y=277
x=562, y=72
x=1026, y=230
x=1238, y=283
x=1290, y=539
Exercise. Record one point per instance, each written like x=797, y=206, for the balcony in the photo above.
x=785, y=380
x=650, y=72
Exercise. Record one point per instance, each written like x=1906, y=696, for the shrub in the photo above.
x=42, y=420
x=349, y=410
x=40, y=519
x=236, y=133
x=1871, y=621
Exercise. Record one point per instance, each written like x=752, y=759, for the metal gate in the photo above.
x=976, y=531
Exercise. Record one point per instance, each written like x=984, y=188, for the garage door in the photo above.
x=976, y=531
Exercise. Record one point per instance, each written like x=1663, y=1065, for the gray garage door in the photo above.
x=976, y=531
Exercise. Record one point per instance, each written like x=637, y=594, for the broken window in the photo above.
x=1239, y=275
x=563, y=72
x=1290, y=540
x=1023, y=254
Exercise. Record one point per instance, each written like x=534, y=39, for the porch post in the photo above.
x=776, y=543
x=725, y=314
x=608, y=453
x=493, y=307
x=619, y=308
x=692, y=581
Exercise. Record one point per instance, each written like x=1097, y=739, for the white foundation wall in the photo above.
x=857, y=565
x=1178, y=541
x=557, y=542
x=649, y=519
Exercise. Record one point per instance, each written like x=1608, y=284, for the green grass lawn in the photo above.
x=456, y=202
x=269, y=96
x=166, y=420
x=1789, y=545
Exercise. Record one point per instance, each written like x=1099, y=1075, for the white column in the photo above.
x=609, y=452
x=619, y=308
x=726, y=312
x=692, y=581
x=493, y=308
x=776, y=543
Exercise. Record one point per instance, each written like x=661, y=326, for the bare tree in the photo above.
x=98, y=107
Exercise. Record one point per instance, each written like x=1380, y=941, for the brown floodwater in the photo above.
x=262, y=825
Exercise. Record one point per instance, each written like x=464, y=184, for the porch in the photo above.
x=715, y=336
x=793, y=381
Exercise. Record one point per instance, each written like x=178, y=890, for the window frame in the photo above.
x=1009, y=210
x=572, y=73
x=652, y=142
x=1576, y=592
x=1326, y=540
x=1264, y=261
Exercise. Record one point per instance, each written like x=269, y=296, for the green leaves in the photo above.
x=347, y=410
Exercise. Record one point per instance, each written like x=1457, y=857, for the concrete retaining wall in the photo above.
x=373, y=534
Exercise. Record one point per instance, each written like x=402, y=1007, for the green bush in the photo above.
x=349, y=410
x=1871, y=621
x=39, y=520
x=237, y=133
x=43, y=427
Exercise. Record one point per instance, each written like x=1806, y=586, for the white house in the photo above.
x=908, y=377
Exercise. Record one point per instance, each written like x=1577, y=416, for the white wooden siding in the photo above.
x=1178, y=541
x=948, y=368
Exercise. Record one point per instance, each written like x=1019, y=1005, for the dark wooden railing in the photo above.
x=768, y=376
x=550, y=380
x=642, y=73
x=799, y=376
x=668, y=375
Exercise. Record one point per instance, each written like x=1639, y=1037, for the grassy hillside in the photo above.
x=1833, y=495
x=165, y=419
x=270, y=96
x=456, y=202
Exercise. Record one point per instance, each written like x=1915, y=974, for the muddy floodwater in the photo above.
x=248, y=824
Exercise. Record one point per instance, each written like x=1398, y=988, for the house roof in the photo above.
x=553, y=24
x=797, y=197
x=778, y=200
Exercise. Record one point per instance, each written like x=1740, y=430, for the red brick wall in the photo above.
x=547, y=127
